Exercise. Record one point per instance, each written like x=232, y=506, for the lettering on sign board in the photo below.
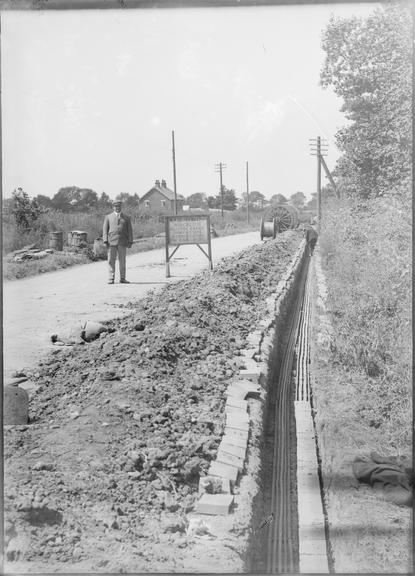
x=188, y=230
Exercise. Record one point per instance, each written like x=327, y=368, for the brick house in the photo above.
x=159, y=200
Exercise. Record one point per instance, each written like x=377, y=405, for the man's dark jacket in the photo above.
x=117, y=230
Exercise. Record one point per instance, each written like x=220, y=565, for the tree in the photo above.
x=298, y=199
x=229, y=199
x=197, y=200
x=43, y=201
x=368, y=64
x=213, y=201
x=74, y=199
x=63, y=198
x=25, y=211
x=312, y=203
x=88, y=200
x=256, y=199
x=130, y=201
x=104, y=202
x=278, y=199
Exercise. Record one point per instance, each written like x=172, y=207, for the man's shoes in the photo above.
x=124, y=281
x=110, y=281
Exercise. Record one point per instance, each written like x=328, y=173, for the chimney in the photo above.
x=158, y=183
x=163, y=184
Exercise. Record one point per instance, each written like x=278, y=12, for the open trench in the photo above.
x=275, y=543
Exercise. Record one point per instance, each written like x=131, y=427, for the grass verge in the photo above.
x=361, y=368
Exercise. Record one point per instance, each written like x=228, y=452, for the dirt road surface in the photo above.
x=35, y=308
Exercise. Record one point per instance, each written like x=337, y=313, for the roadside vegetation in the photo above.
x=363, y=392
x=29, y=222
x=148, y=234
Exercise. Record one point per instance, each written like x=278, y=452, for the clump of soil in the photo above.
x=106, y=474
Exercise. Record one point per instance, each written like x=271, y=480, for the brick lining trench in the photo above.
x=288, y=525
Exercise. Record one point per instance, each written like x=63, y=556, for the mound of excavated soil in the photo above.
x=105, y=475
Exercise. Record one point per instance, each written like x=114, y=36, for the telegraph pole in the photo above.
x=247, y=193
x=174, y=174
x=319, y=181
x=218, y=168
x=318, y=148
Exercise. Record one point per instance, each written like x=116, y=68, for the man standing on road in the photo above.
x=117, y=236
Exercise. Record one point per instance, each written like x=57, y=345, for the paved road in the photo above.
x=35, y=308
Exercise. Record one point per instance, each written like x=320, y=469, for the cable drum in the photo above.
x=268, y=229
x=285, y=215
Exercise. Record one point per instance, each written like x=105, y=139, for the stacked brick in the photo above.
x=218, y=488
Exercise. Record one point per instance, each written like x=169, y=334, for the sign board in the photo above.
x=187, y=229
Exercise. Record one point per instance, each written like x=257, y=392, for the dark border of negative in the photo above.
x=120, y=4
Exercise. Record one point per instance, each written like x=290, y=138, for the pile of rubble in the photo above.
x=30, y=253
x=123, y=427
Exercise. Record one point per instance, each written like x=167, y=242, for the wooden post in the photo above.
x=166, y=229
x=247, y=193
x=209, y=244
x=174, y=175
x=319, y=181
x=221, y=190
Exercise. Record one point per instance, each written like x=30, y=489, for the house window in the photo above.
x=163, y=203
x=147, y=203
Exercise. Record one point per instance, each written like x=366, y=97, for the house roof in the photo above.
x=163, y=189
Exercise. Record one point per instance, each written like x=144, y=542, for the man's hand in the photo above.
x=129, y=244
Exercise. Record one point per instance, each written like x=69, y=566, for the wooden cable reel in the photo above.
x=286, y=217
x=278, y=218
x=268, y=229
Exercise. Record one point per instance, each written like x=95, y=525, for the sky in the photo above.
x=91, y=98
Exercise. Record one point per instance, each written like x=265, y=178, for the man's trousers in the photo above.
x=112, y=256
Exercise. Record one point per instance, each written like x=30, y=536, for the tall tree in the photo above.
x=104, y=202
x=65, y=198
x=278, y=199
x=229, y=200
x=369, y=65
x=88, y=200
x=256, y=199
x=213, y=201
x=24, y=210
x=74, y=199
x=197, y=200
x=312, y=203
x=298, y=199
x=130, y=201
x=43, y=201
